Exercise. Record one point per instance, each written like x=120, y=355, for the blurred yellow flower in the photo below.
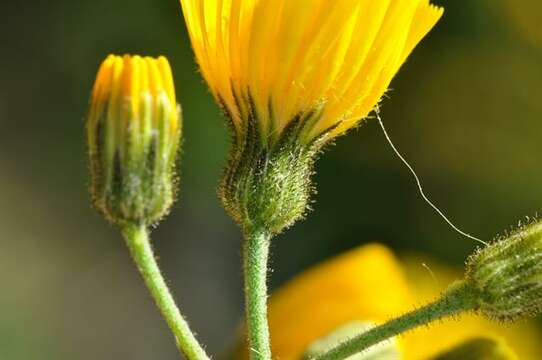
x=324, y=63
x=369, y=284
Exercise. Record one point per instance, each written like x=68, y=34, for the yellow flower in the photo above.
x=291, y=75
x=133, y=130
x=369, y=284
x=323, y=63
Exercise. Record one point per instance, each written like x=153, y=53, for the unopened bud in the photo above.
x=133, y=131
x=508, y=275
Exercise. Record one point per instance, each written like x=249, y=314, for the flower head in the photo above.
x=323, y=63
x=291, y=75
x=133, y=130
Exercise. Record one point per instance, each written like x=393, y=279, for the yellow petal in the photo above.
x=271, y=60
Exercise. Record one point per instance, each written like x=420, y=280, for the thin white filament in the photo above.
x=426, y=267
x=418, y=182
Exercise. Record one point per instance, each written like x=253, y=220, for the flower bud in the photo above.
x=133, y=131
x=508, y=275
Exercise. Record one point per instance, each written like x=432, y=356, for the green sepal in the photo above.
x=267, y=183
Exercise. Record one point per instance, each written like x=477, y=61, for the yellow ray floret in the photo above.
x=277, y=59
x=127, y=86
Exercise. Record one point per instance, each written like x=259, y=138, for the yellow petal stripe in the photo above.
x=123, y=82
x=282, y=58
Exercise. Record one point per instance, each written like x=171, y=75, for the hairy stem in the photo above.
x=137, y=239
x=459, y=298
x=255, y=259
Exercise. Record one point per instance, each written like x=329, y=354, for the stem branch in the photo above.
x=137, y=239
x=255, y=258
x=459, y=298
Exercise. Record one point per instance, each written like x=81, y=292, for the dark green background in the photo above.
x=465, y=110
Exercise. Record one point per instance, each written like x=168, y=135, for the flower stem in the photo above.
x=255, y=258
x=460, y=297
x=137, y=239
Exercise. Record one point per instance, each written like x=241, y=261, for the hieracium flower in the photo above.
x=291, y=76
x=134, y=127
x=133, y=131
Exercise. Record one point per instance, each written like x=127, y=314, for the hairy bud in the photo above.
x=267, y=185
x=508, y=275
x=133, y=131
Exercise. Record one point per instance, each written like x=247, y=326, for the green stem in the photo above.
x=137, y=239
x=255, y=258
x=459, y=298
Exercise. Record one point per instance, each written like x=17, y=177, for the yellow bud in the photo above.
x=133, y=132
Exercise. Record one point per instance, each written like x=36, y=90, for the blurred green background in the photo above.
x=465, y=110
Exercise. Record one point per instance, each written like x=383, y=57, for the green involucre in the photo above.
x=508, y=275
x=132, y=161
x=267, y=184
